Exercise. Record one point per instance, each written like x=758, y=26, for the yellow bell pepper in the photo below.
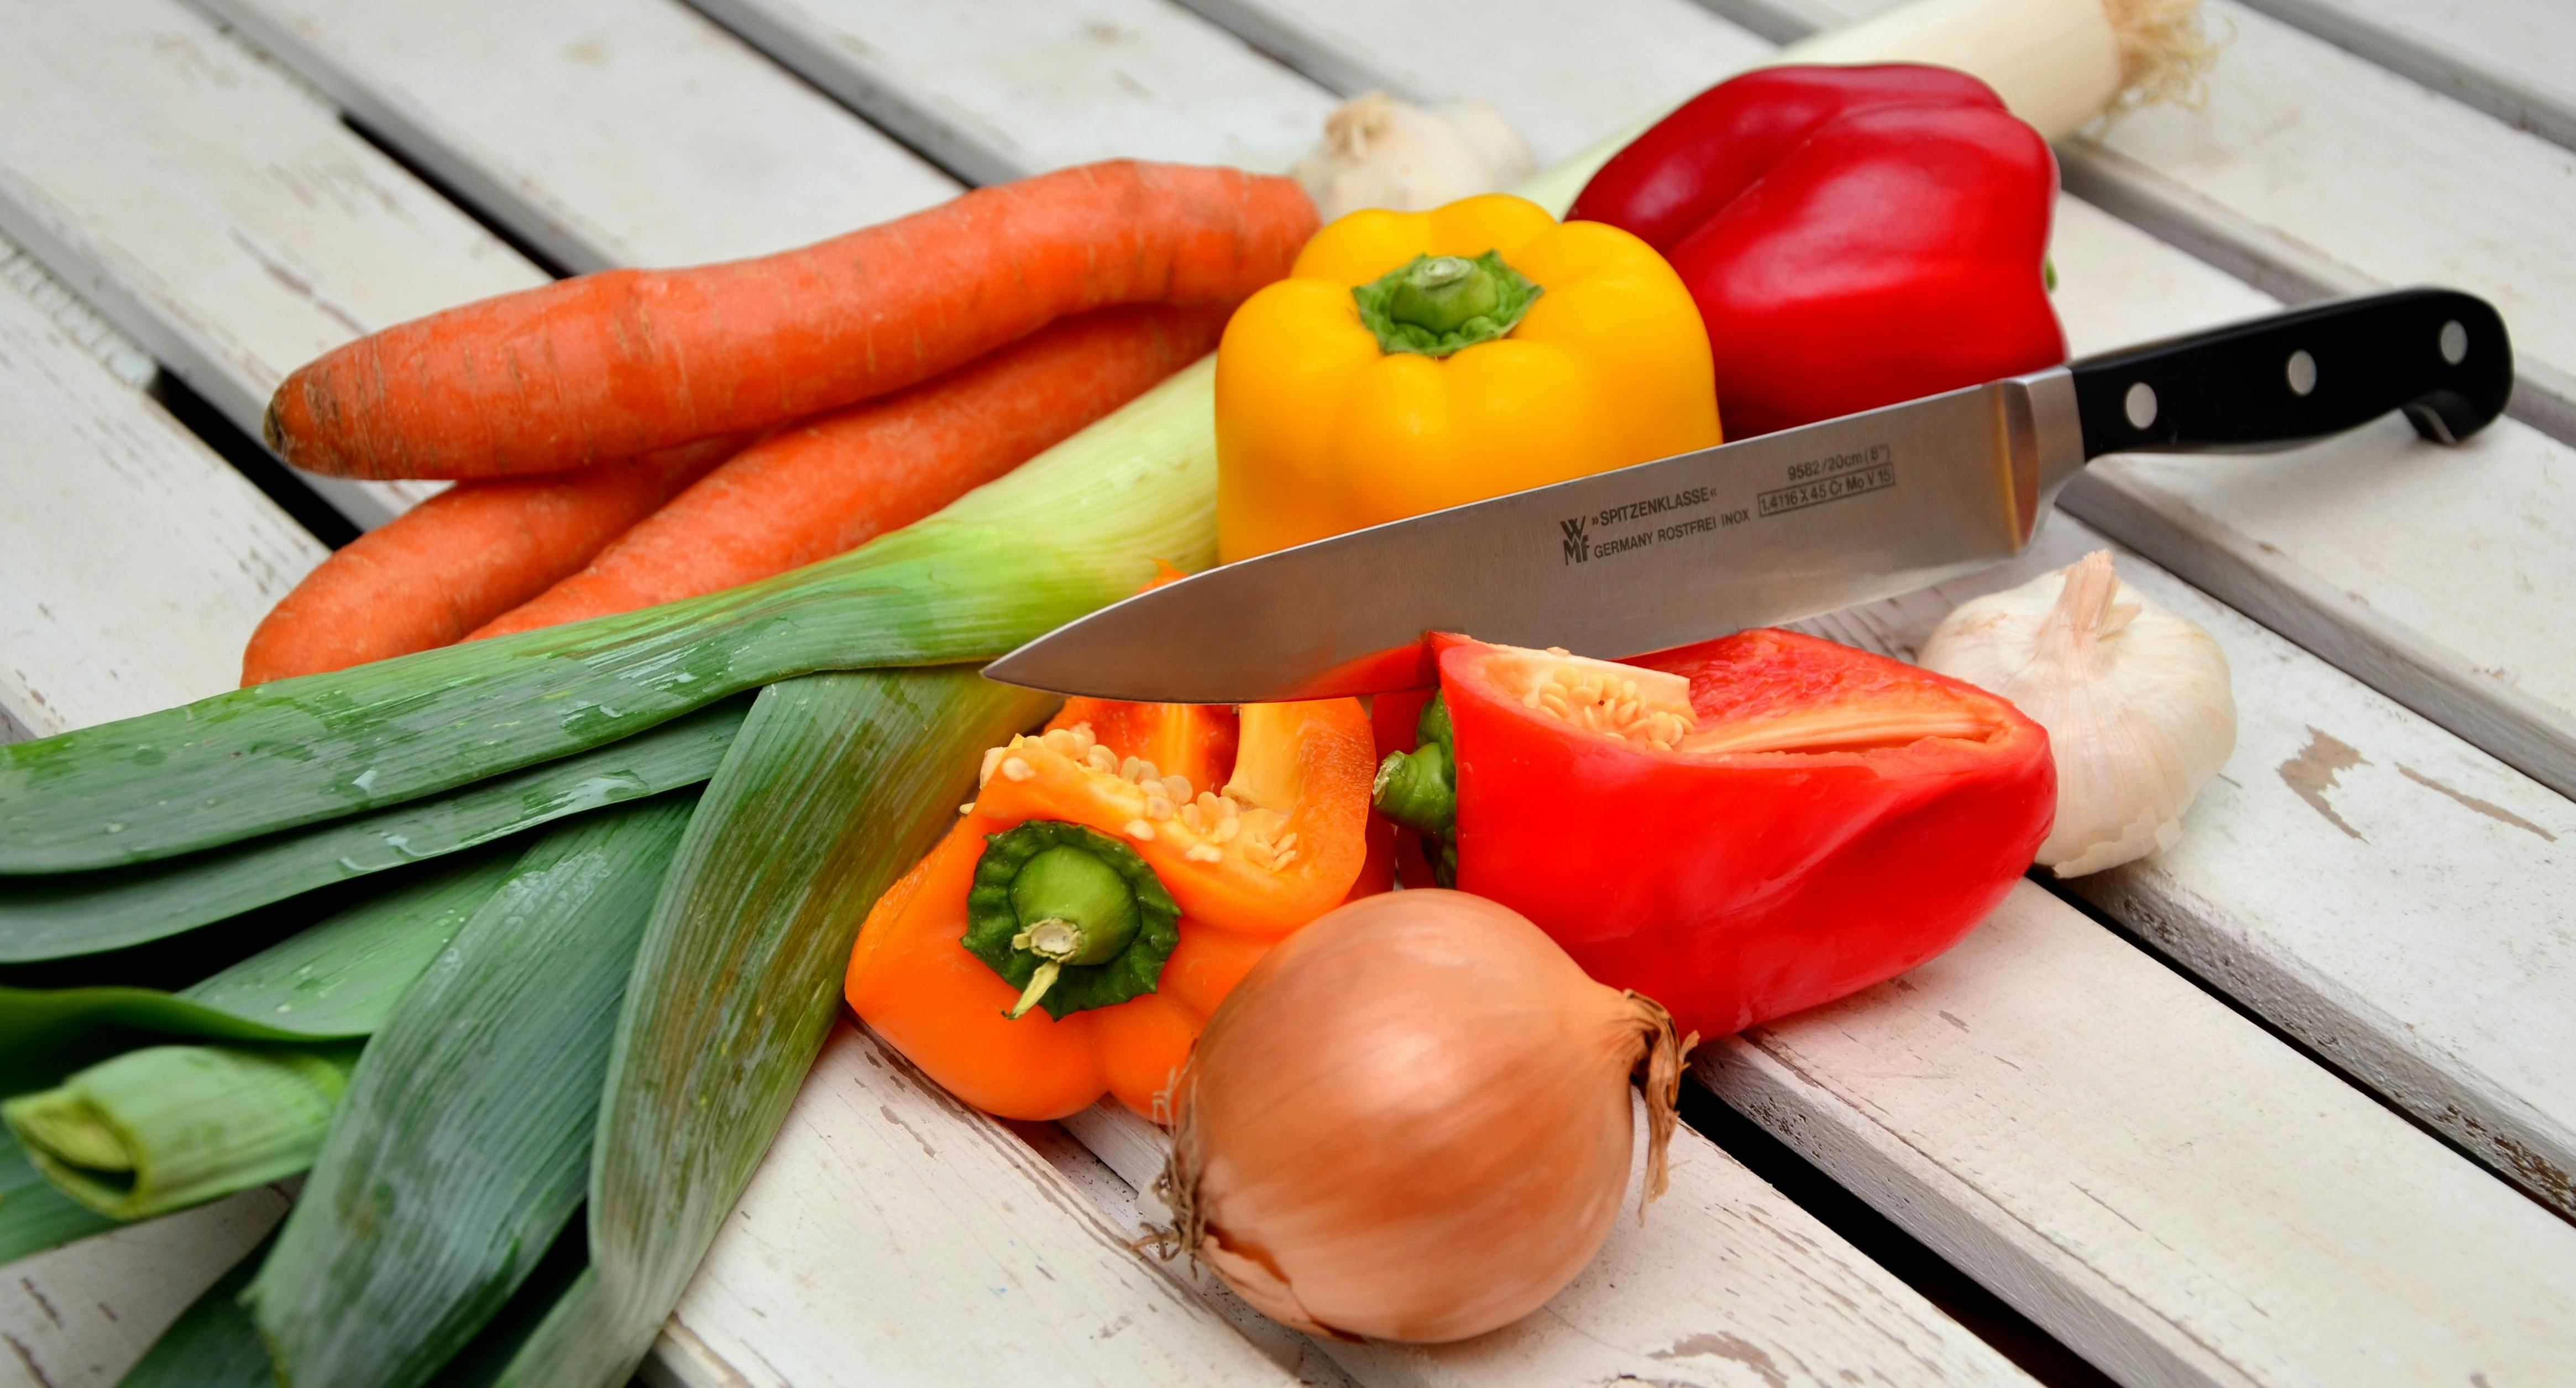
x=1417, y=360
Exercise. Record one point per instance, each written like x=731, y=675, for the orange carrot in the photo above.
x=461, y=558
x=618, y=363
x=812, y=490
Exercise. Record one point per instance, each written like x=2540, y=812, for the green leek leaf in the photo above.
x=834, y=786
x=112, y=908
x=338, y=979
x=487, y=1356
x=1073, y=529
x=463, y=1144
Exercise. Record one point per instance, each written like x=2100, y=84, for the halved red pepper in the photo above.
x=1739, y=829
x=1078, y=926
x=1854, y=236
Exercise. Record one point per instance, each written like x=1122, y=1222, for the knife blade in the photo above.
x=1775, y=528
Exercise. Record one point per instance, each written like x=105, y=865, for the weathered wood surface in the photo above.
x=1543, y=66
x=893, y=1235
x=215, y=210
x=133, y=561
x=2173, y=1193
x=2508, y=58
x=2370, y=884
x=1724, y=1281
x=1007, y=88
x=666, y=140
x=2119, y=971
x=1110, y=1194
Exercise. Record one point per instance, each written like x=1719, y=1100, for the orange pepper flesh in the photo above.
x=916, y=986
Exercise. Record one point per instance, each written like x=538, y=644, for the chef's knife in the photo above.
x=1779, y=527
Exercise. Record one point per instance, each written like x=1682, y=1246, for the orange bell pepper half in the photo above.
x=1253, y=824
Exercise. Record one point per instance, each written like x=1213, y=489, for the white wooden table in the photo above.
x=2292, y=1104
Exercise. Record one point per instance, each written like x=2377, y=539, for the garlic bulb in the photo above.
x=2135, y=700
x=1380, y=152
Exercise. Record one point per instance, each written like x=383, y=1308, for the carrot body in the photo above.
x=812, y=490
x=461, y=558
x=614, y=364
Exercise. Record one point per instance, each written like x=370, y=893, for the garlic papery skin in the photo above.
x=1381, y=152
x=2135, y=699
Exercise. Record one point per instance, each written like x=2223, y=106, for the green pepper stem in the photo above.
x=1415, y=790
x=1438, y=304
x=1075, y=903
x=1039, y=983
x=1439, y=292
x=1073, y=908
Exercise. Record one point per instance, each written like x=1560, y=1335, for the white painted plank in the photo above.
x=1663, y=51
x=604, y=132
x=1724, y=1281
x=216, y=211
x=1110, y=1193
x=893, y=1235
x=79, y=1317
x=2508, y=58
x=1007, y=88
x=2367, y=882
x=133, y=561
x=2173, y=1193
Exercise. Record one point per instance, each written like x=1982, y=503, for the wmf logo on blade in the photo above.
x=1578, y=545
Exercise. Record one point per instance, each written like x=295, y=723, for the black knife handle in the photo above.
x=2438, y=354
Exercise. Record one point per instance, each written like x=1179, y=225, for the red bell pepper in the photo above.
x=1739, y=829
x=1855, y=236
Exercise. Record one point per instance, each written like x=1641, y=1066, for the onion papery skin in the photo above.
x=1412, y=1121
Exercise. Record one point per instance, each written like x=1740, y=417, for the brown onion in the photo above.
x=1411, y=1121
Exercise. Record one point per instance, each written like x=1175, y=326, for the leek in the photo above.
x=340, y=978
x=1075, y=528
x=166, y=1127
x=834, y=786
x=89, y=912
x=463, y=1143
